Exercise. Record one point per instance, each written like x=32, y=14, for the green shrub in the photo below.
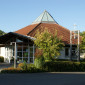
x=1, y=59
x=33, y=70
x=82, y=66
x=83, y=60
x=23, y=65
x=30, y=65
x=30, y=69
x=60, y=66
x=11, y=70
x=60, y=59
x=39, y=62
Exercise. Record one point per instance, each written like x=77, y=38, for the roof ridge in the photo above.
x=23, y=28
x=33, y=28
x=63, y=27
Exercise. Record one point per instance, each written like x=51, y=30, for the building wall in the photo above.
x=82, y=55
x=2, y=51
x=22, y=53
x=62, y=56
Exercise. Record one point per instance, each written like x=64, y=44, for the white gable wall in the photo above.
x=2, y=51
x=63, y=56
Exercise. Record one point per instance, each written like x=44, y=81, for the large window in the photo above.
x=24, y=52
x=31, y=54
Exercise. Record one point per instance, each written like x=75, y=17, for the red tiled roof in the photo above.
x=26, y=30
x=61, y=31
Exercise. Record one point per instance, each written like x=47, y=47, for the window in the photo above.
x=19, y=54
x=25, y=49
x=31, y=60
x=22, y=52
x=73, y=51
x=25, y=54
x=66, y=51
x=19, y=49
x=31, y=52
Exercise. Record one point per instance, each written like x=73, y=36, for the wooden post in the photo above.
x=15, y=56
x=78, y=48
x=33, y=52
x=28, y=53
x=70, y=45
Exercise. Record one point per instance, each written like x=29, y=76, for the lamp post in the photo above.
x=75, y=34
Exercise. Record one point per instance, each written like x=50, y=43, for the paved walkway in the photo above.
x=59, y=78
x=5, y=65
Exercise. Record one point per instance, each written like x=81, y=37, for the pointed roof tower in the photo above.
x=45, y=17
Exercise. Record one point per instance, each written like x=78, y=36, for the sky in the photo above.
x=16, y=14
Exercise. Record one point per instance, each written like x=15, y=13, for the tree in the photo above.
x=2, y=32
x=49, y=43
x=82, y=45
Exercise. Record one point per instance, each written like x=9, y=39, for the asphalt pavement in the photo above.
x=55, y=78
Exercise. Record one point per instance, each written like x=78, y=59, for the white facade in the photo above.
x=6, y=53
x=66, y=55
x=63, y=54
x=82, y=55
x=23, y=53
x=2, y=51
x=27, y=53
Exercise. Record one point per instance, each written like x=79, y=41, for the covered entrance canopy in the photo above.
x=4, y=39
x=21, y=45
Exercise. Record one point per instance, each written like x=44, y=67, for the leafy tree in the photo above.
x=82, y=45
x=2, y=32
x=49, y=43
x=82, y=33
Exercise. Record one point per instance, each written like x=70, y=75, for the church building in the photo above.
x=19, y=44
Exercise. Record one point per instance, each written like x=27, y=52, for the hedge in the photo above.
x=22, y=68
x=64, y=66
x=57, y=66
x=18, y=70
x=11, y=70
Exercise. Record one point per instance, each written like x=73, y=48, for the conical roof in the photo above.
x=46, y=21
x=45, y=17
